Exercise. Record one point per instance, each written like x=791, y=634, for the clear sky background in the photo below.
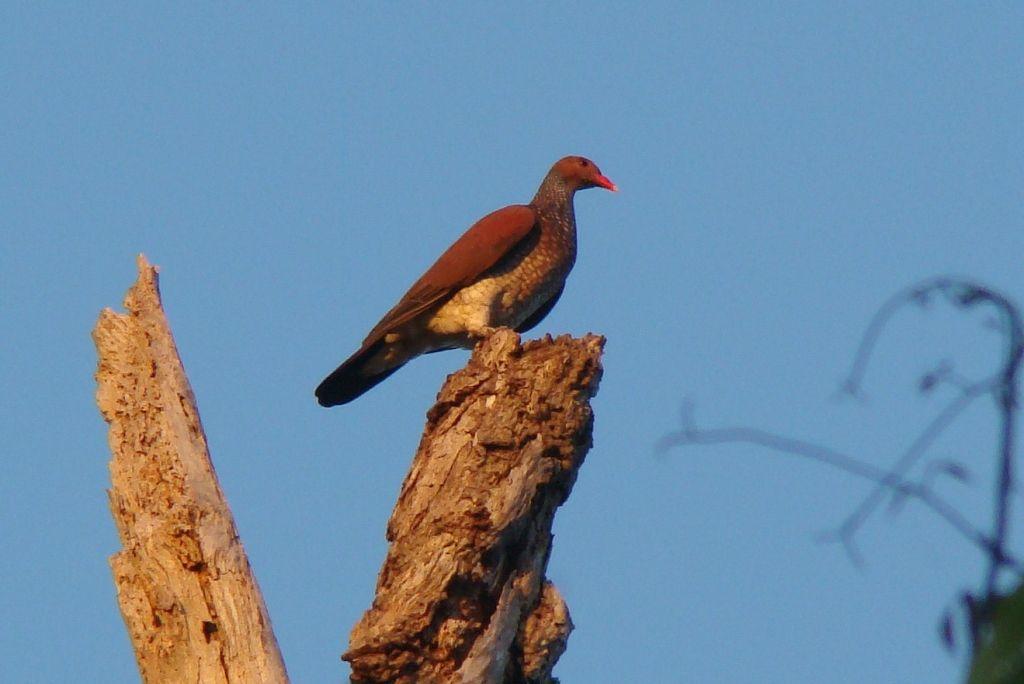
x=783, y=169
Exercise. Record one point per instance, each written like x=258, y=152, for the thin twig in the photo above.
x=816, y=452
x=913, y=453
x=965, y=294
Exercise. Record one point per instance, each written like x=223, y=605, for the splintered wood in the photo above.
x=462, y=595
x=188, y=596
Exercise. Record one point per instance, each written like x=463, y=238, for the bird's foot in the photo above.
x=483, y=332
x=502, y=342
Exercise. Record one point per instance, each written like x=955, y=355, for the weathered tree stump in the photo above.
x=462, y=595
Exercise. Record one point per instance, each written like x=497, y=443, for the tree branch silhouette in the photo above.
x=921, y=491
x=1002, y=387
x=965, y=294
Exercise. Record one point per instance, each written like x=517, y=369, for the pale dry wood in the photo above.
x=185, y=588
x=462, y=595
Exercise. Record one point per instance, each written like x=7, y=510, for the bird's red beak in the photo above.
x=603, y=182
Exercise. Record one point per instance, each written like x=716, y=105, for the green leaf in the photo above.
x=999, y=658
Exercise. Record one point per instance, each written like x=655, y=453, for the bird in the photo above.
x=507, y=270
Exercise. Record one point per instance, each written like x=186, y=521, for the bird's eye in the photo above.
x=584, y=162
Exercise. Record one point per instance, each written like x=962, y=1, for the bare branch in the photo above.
x=913, y=453
x=849, y=464
x=1002, y=387
x=963, y=293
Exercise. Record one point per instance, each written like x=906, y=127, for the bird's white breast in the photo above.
x=510, y=293
x=469, y=310
x=504, y=298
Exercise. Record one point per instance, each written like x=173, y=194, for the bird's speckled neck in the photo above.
x=557, y=218
x=554, y=202
x=553, y=191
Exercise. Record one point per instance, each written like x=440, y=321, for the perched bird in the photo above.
x=507, y=270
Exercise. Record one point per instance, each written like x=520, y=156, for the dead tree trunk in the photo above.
x=187, y=594
x=462, y=595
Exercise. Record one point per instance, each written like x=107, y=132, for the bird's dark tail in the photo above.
x=352, y=378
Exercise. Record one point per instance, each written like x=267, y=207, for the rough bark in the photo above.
x=188, y=596
x=462, y=595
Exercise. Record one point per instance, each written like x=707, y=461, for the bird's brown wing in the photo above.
x=479, y=248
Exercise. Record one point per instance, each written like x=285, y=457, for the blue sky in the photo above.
x=783, y=169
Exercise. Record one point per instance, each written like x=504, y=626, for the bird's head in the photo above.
x=579, y=173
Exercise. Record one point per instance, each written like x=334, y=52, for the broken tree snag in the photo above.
x=187, y=594
x=462, y=595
